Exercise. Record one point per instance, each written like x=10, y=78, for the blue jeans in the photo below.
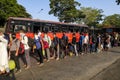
x=92, y=47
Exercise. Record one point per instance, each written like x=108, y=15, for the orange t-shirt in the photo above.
x=51, y=35
x=59, y=35
x=18, y=35
x=31, y=35
x=77, y=37
x=42, y=35
x=69, y=37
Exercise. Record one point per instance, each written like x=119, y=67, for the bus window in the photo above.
x=29, y=29
x=45, y=29
x=74, y=28
x=19, y=27
x=109, y=30
x=80, y=29
x=55, y=29
x=64, y=29
x=71, y=29
x=11, y=28
x=36, y=29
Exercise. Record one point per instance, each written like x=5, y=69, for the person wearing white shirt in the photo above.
x=85, y=43
x=48, y=40
x=24, y=40
x=3, y=54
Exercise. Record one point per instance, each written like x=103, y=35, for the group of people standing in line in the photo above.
x=47, y=49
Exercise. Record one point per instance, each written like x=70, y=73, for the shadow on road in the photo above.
x=110, y=73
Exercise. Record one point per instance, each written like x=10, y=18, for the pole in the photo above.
x=40, y=10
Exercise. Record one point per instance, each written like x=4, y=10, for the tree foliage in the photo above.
x=10, y=8
x=93, y=16
x=118, y=2
x=65, y=10
x=112, y=21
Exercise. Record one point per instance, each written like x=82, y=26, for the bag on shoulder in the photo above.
x=21, y=48
x=45, y=44
x=11, y=64
x=30, y=42
x=55, y=42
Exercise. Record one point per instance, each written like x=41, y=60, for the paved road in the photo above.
x=85, y=67
x=110, y=73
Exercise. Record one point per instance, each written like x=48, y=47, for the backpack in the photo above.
x=62, y=43
x=30, y=41
x=21, y=48
x=65, y=40
x=55, y=41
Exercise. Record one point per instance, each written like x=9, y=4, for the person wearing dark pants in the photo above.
x=15, y=43
x=23, y=58
x=91, y=44
x=64, y=44
x=81, y=43
x=38, y=43
x=24, y=41
x=39, y=52
x=16, y=59
x=74, y=44
x=56, y=47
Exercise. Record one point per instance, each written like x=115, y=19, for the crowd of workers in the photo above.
x=12, y=48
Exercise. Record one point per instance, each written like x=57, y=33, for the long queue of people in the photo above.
x=48, y=49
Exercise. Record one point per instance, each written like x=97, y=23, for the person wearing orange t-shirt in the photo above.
x=77, y=34
x=69, y=37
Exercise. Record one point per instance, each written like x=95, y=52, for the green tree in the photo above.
x=118, y=2
x=112, y=21
x=10, y=8
x=93, y=16
x=65, y=10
